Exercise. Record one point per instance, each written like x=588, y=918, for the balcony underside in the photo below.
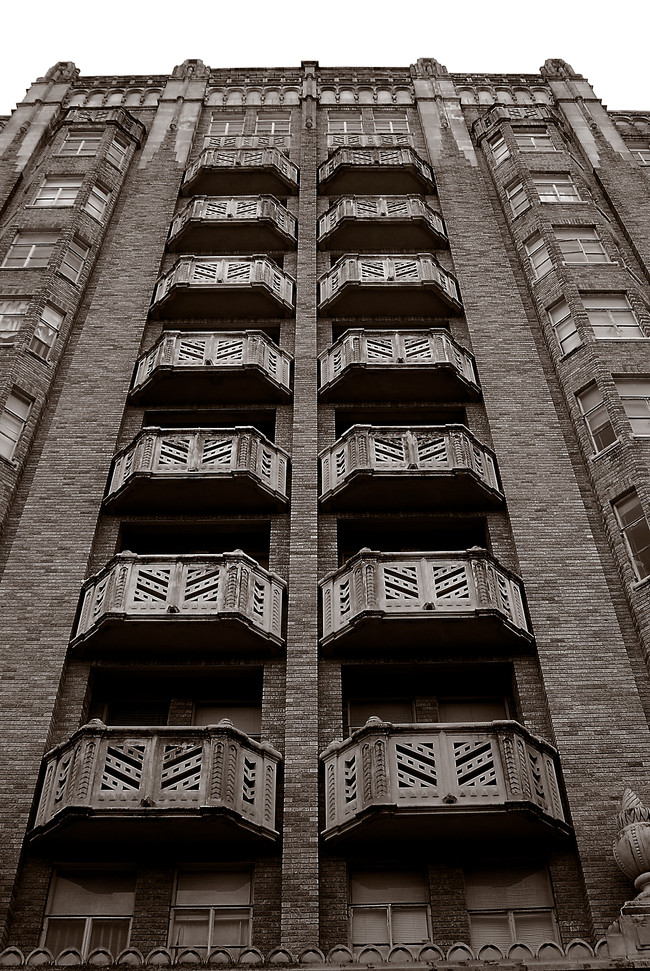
x=426, y=382
x=397, y=299
x=377, y=490
x=349, y=179
x=227, y=236
x=239, y=181
x=202, y=385
x=379, y=234
x=239, y=491
x=190, y=301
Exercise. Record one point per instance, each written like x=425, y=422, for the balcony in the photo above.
x=432, y=466
x=381, y=223
x=200, y=367
x=403, y=286
x=464, y=601
x=218, y=602
x=222, y=286
x=247, y=141
x=158, y=786
x=374, y=365
x=375, y=140
x=375, y=170
x=226, y=172
x=168, y=470
x=437, y=782
x=239, y=223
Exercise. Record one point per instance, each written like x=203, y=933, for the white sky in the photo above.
x=606, y=42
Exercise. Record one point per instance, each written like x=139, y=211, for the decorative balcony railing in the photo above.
x=401, y=285
x=214, y=467
x=435, y=464
x=227, y=172
x=375, y=170
x=439, y=771
x=164, y=593
x=251, y=285
x=247, y=141
x=147, y=773
x=208, y=221
x=205, y=366
x=371, y=364
x=381, y=221
x=359, y=140
x=427, y=594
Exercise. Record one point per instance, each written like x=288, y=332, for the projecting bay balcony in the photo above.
x=374, y=140
x=437, y=466
x=158, y=786
x=223, y=286
x=438, y=782
x=373, y=365
x=239, y=223
x=202, y=367
x=166, y=470
x=461, y=600
x=381, y=223
x=402, y=286
x=376, y=170
x=225, y=172
x=208, y=602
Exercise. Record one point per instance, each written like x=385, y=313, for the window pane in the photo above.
x=104, y=894
x=409, y=925
x=638, y=537
x=501, y=889
x=112, y=934
x=190, y=927
x=387, y=886
x=229, y=887
x=490, y=929
x=137, y=713
x=230, y=928
x=247, y=718
x=472, y=710
x=534, y=929
x=64, y=932
x=397, y=712
x=601, y=428
x=370, y=926
x=628, y=509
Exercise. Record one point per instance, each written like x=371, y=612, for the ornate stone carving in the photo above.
x=632, y=845
x=62, y=71
x=193, y=67
x=428, y=67
x=555, y=67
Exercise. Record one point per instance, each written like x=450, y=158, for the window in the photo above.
x=277, y=123
x=13, y=420
x=611, y=316
x=88, y=910
x=396, y=711
x=636, y=531
x=57, y=192
x=635, y=395
x=510, y=904
x=211, y=909
x=30, y=250
x=388, y=907
x=246, y=717
x=391, y=122
x=97, y=202
x=538, y=255
x=564, y=326
x=81, y=143
x=117, y=152
x=342, y=122
x=469, y=710
x=556, y=188
x=642, y=155
x=47, y=329
x=581, y=244
x=12, y=314
x=517, y=197
x=534, y=140
x=74, y=260
x=596, y=418
x=498, y=148
x=226, y=125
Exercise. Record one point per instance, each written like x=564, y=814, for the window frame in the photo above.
x=588, y=413
x=512, y=911
x=82, y=135
x=513, y=191
x=51, y=326
x=58, y=199
x=533, y=133
x=556, y=180
x=75, y=274
x=559, y=322
x=226, y=120
x=45, y=241
x=390, y=907
x=279, y=118
x=540, y=247
x=499, y=148
x=351, y=117
x=624, y=527
x=611, y=312
x=388, y=117
x=88, y=919
x=637, y=396
x=97, y=203
x=211, y=910
x=117, y=152
x=641, y=155
x=12, y=332
x=20, y=421
x=570, y=258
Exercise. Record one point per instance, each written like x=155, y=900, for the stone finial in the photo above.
x=555, y=67
x=632, y=846
x=193, y=67
x=428, y=67
x=632, y=810
x=62, y=71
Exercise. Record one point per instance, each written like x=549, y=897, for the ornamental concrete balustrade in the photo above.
x=225, y=172
x=145, y=785
x=376, y=140
x=381, y=222
x=224, y=286
x=214, y=602
x=239, y=222
x=461, y=600
x=247, y=141
x=167, y=470
x=376, y=170
x=477, y=782
x=428, y=466
x=199, y=367
x=373, y=365
x=413, y=285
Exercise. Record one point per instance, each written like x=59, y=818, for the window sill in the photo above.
x=639, y=584
x=37, y=357
x=592, y=263
x=606, y=451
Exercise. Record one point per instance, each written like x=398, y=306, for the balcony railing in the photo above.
x=250, y=286
x=203, y=468
x=243, y=222
x=359, y=140
x=247, y=141
x=178, y=600
x=421, y=598
x=399, y=285
x=434, y=775
x=432, y=465
x=189, y=774
x=375, y=170
x=366, y=365
x=381, y=222
x=203, y=367
x=220, y=172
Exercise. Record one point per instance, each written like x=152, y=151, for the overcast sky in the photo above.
x=606, y=42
